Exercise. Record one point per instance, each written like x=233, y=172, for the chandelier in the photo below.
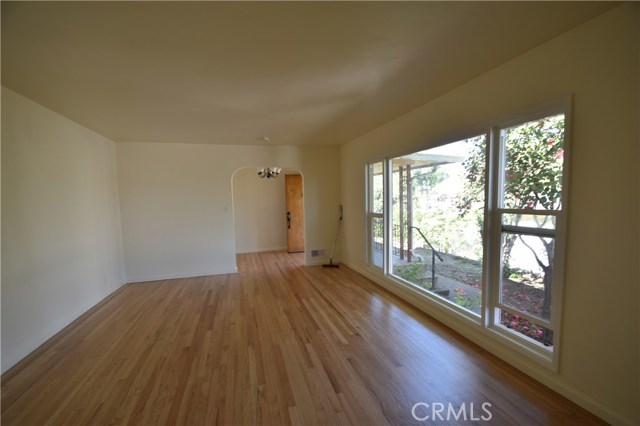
x=269, y=172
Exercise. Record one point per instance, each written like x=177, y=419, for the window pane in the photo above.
x=529, y=220
x=377, y=191
x=438, y=204
x=527, y=263
x=527, y=328
x=377, y=241
x=533, y=159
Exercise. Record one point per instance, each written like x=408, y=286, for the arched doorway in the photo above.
x=260, y=211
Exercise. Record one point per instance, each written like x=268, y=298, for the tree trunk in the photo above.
x=547, y=335
x=548, y=276
x=509, y=241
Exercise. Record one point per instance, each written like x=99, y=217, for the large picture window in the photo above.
x=477, y=225
x=437, y=226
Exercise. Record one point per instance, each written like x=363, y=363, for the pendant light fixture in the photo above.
x=269, y=172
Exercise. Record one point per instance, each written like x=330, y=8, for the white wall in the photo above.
x=176, y=203
x=61, y=244
x=598, y=64
x=259, y=212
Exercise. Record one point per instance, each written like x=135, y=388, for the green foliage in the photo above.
x=449, y=232
x=422, y=182
x=533, y=168
x=514, y=273
x=410, y=272
x=474, y=166
x=462, y=298
x=378, y=194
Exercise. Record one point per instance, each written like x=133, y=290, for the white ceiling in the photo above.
x=231, y=72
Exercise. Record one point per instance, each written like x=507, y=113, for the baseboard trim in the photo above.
x=260, y=250
x=69, y=322
x=317, y=261
x=149, y=278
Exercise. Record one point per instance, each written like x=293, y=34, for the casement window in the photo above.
x=477, y=226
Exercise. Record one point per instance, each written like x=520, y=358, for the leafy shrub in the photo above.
x=410, y=272
x=463, y=299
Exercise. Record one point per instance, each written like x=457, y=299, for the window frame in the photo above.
x=489, y=322
x=526, y=345
x=371, y=215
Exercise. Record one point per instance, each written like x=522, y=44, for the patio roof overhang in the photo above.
x=419, y=160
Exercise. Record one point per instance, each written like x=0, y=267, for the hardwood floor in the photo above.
x=277, y=343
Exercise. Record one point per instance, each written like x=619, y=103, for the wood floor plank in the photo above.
x=277, y=343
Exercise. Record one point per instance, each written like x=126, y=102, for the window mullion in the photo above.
x=525, y=230
x=530, y=318
x=494, y=236
x=388, y=214
x=538, y=212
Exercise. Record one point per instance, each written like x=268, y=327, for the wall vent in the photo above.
x=317, y=252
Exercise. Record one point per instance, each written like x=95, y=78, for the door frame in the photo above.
x=285, y=170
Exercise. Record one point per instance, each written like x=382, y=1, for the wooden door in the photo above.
x=295, y=213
